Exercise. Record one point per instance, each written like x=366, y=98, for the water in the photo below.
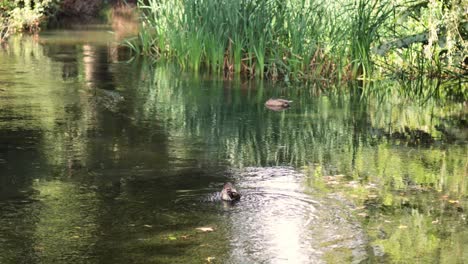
x=104, y=161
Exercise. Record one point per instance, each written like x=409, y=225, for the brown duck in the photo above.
x=229, y=193
x=277, y=103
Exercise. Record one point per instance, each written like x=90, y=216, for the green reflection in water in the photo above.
x=108, y=170
x=66, y=223
x=396, y=161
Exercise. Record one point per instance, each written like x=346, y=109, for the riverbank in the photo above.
x=32, y=16
x=308, y=40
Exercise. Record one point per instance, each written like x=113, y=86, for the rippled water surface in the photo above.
x=104, y=160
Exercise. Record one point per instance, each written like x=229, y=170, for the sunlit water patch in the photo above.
x=277, y=220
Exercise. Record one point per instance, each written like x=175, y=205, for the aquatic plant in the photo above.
x=364, y=28
x=363, y=40
x=4, y=29
x=25, y=14
x=436, y=51
x=250, y=37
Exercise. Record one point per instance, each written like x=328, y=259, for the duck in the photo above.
x=229, y=193
x=278, y=103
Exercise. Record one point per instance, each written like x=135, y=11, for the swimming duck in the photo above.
x=278, y=103
x=229, y=193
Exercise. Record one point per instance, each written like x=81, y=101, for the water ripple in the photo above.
x=276, y=221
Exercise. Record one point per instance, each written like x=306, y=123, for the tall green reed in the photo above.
x=364, y=28
x=299, y=39
x=242, y=36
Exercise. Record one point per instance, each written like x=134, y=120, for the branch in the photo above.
x=405, y=42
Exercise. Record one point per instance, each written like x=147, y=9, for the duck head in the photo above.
x=229, y=193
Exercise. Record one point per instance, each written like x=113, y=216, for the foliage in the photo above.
x=364, y=28
x=309, y=39
x=4, y=30
x=437, y=51
x=262, y=38
x=19, y=15
x=6, y=5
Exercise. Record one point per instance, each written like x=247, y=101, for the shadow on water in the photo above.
x=103, y=161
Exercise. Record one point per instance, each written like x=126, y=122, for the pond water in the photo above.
x=105, y=160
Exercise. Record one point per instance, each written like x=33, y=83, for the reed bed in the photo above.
x=272, y=39
x=312, y=40
x=300, y=39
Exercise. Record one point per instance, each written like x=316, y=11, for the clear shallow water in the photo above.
x=103, y=161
